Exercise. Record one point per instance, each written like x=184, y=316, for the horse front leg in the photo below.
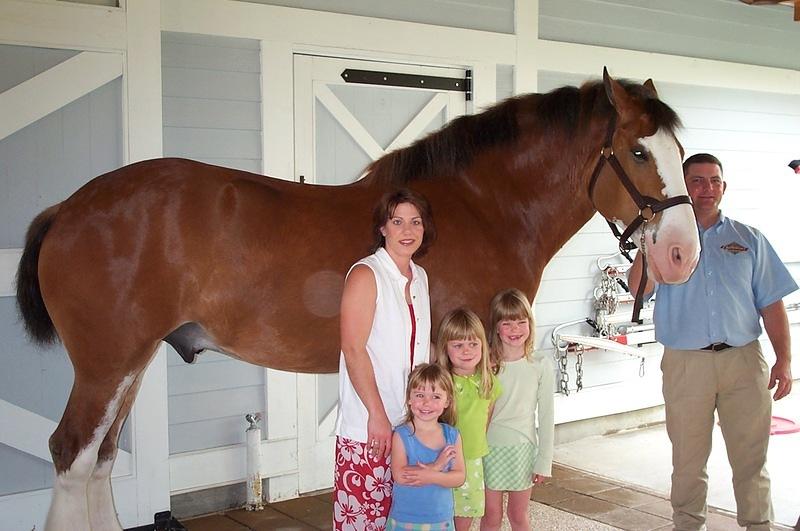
x=92, y=408
x=102, y=512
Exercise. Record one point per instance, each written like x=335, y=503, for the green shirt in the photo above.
x=473, y=413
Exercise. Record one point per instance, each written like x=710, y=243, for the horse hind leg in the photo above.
x=91, y=411
x=102, y=512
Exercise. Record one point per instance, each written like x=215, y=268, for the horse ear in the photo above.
x=651, y=87
x=607, y=84
x=618, y=97
x=614, y=91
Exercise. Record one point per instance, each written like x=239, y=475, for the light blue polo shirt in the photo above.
x=738, y=274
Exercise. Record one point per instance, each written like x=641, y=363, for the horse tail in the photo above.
x=31, y=305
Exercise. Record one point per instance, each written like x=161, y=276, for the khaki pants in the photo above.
x=734, y=382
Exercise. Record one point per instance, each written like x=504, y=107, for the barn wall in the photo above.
x=48, y=160
x=212, y=113
x=212, y=99
x=505, y=81
x=709, y=29
x=41, y=165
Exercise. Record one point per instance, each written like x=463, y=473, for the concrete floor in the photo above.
x=618, y=481
x=642, y=458
x=572, y=500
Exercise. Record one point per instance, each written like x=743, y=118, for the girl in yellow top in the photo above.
x=461, y=347
x=520, y=453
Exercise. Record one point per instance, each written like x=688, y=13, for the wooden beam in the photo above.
x=37, y=97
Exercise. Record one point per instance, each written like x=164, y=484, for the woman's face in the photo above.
x=403, y=231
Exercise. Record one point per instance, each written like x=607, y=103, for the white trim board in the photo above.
x=600, y=401
x=62, y=25
x=323, y=29
x=37, y=429
x=223, y=466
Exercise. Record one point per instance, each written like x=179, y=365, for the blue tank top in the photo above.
x=429, y=503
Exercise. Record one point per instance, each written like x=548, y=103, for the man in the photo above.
x=709, y=327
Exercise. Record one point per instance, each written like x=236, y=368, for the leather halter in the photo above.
x=648, y=208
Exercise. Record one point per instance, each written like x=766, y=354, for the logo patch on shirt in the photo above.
x=734, y=248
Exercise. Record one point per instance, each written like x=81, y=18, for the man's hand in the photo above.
x=781, y=374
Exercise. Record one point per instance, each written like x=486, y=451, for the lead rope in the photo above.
x=638, y=300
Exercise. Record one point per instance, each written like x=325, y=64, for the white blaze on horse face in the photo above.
x=69, y=508
x=673, y=245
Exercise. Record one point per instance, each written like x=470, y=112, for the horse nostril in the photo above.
x=677, y=257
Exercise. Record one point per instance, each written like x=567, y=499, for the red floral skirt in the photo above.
x=362, y=491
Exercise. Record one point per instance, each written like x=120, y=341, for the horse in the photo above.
x=205, y=257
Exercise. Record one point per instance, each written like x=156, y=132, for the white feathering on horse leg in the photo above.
x=102, y=513
x=71, y=506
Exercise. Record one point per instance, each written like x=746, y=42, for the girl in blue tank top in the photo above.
x=427, y=457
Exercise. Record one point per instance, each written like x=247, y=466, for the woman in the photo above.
x=385, y=332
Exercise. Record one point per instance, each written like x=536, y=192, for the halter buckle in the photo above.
x=647, y=209
x=607, y=151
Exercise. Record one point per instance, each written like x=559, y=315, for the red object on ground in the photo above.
x=782, y=426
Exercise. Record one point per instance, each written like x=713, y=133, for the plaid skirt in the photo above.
x=509, y=468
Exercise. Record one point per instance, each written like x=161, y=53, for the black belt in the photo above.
x=716, y=347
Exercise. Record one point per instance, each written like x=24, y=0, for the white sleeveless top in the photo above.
x=388, y=345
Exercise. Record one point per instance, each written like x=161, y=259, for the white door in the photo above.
x=340, y=128
x=34, y=385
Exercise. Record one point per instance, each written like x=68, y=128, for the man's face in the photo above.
x=705, y=186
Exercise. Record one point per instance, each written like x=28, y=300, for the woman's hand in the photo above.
x=379, y=436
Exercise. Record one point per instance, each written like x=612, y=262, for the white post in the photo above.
x=255, y=497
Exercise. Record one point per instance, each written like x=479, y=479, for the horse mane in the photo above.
x=563, y=110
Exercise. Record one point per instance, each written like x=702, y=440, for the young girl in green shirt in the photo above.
x=461, y=347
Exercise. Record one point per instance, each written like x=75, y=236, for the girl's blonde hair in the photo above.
x=433, y=375
x=464, y=324
x=508, y=305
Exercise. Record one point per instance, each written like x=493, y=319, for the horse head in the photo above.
x=638, y=180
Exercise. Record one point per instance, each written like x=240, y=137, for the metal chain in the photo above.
x=579, y=367
x=562, y=369
x=606, y=300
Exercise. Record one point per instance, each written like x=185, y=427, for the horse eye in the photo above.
x=639, y=154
